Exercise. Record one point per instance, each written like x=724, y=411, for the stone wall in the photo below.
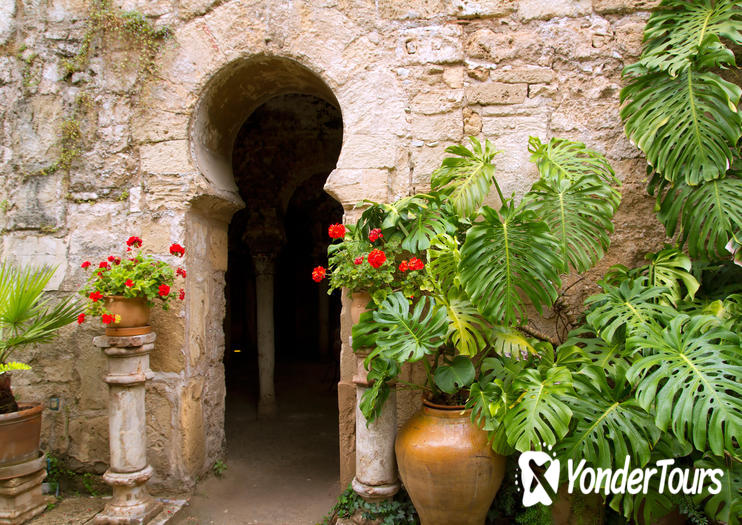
x=410, y=77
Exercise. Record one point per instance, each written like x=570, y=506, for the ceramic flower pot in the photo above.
x=447, y=466
x=133, y=315
x=20, y=433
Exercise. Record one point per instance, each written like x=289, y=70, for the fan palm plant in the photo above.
x=27, y=317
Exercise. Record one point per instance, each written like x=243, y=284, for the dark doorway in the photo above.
x=282, y=157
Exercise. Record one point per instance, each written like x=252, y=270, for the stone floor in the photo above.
x=280, y=471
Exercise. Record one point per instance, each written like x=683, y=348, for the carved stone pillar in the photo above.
x=376, y=466
x=128, y=473
x=265, y=265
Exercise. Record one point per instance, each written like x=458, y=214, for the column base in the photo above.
x=131, y=503
x=20, y=495
x=267, y=408
x=372, y=493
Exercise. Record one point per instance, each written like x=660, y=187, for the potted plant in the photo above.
x=465, y=320
x=121, y=290
x=26, y=317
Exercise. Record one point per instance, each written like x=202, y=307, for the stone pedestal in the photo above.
x=128, y=370
x=20, y=491
x=376, y=476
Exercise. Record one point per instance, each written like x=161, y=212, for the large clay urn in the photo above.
x=133, y=315
x=20, y=433
x=447, y=466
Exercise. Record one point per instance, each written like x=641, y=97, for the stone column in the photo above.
x=264, y=270
x=376, y=466
x=128, y=473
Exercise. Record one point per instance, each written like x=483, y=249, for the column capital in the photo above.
x=265, y=263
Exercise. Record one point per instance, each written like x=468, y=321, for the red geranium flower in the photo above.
x=95, y=296
x=416, y=264
x=358, y=260
x=177, y=249
x=318, y=274
x=163, y=290
x=103, y=264
x=403, y=266
x=336, y=231
x=136, y=242
x=86, y=264
x=108, y=318
x=129, y=283
x=181, y=294
x=376, y=258
x=80, y=318
x=180, y=271
x=111, y=258
x=375, y=234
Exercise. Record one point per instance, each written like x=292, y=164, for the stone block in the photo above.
x=168, y=355
x=434, y=102
x=472, y=123
x=485, y=44
x=20, y=495
x=38, y=204
x=29, y=249
x=483, y=8
x=361, y=151
x=433, y=128
x=90, y=365
x=607, y=7
x=7, y=20
x=538, y=9
x=497, y=93
x=351, y=186
x=191, y=425
x=347, y=408
x=628, y=38
x=168, y=157
x=541, y=75
x=190, y=8
x=66, y=10
x=437, y=44
x=157, y=126
x=36, y=140
x=410, y=9
x=89, y=439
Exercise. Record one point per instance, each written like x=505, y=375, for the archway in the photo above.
x=267, y=133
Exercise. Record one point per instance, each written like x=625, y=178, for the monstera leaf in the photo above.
x=726, y=506
x=708, y=215
x=686, y=125
x=403, y=332
x=690, y=373
x=670, y=268
x=538, y=415
x=504, y=255
x=420, y=222
x=510, y=342
x=467, y=330
x=457, y=374
x=578, y=211
x=488, y=402
x=610, y=357
x=679, y=30
x=466, y=179
x=620, y=309
x=443, y=263
x=380, y=372
x=563, y=159
x=610, y=424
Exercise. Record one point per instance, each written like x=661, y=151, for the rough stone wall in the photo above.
x=410, y=78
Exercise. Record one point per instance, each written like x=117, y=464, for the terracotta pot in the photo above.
x=20, y=433
x=447, y=466
x=133, y=313
x=358, y=303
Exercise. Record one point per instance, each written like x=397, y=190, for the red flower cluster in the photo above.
x=129, y=283
x=103, y=264
x=181, y=293
x=163, y=290
x=318, y=274
x=177, y=249
x=80, y=318
x=358, y=260
x=86, y=264
x=180, y=271
x=376, y=258
x=96, y=296
x=108, y=318
x=375, y=234
x=136, y=242
x=115, y=260
x=336, y=231
x=411, y=265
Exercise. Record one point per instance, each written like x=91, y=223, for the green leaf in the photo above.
x=467, y=330
x=726, y=506
x=610, y=357
x=467, y=178
x=562, y=159
x=459, y=374
x=487, y=402
x=579, y=212
x=670, y=268
x=509, y=341
x=13, y=365
x=538, y=416
x=610, y=424
x=680, y=29
x=381, y=371
x=687, y=126
x=364, y=332
x=690, y=372
x=709, y=215
x=443, y=263
x=504, y=255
